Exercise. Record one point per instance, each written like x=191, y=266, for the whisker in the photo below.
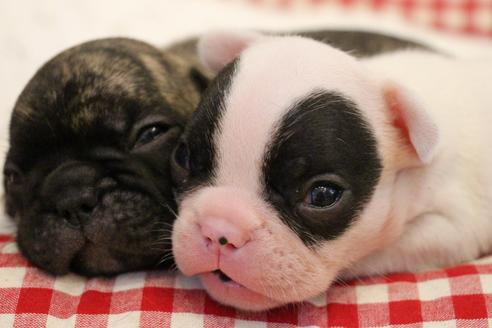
x=169, y=208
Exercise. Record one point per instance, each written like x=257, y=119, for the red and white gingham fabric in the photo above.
x=460, y=296
x=472, y=17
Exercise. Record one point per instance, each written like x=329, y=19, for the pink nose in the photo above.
x=222, y=232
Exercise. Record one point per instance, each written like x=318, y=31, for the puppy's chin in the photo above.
x=94, y=260
x=77, y=254
x=236, y=295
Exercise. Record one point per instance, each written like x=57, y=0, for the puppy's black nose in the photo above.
x=71, y=191
x=76, y=208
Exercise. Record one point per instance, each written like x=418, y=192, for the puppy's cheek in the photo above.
x=289, y=270
x=188, y=245
x=49, y=243
x=125, y=221
x=375, y=227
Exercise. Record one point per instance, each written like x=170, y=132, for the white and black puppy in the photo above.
x=303, y=164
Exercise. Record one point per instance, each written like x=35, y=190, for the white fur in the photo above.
x=446, y=205
x=429, y=210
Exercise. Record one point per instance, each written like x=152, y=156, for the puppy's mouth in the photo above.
x=226, y=279
x=223, y=279
x=96, y=260
x=93, y=259
x=123, y=233
x=228, y=291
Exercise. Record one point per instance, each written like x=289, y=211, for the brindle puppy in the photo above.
x=86, y=175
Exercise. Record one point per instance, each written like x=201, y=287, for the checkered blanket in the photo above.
x=472, y=17
x=460, y=296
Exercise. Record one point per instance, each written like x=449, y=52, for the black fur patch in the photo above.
x=200, y=131
x=323, y=133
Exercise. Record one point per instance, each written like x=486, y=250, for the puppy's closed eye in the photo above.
x=12, y=175
x=180, y=164
x=150, y=133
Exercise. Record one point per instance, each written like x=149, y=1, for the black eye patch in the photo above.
x=200, y=159
x=323, y=134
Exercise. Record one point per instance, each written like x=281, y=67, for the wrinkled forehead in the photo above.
x=76, y=111
x=91, y=95
x=76, y=115
x=269, y=80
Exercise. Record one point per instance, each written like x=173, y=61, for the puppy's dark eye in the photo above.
x=150, y=133
x=182, y=156
x=323, y=194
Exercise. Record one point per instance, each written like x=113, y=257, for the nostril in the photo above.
x=222, y=233
x=86, y=208
x=72, y=220
x=76, y=210
x=227, y=244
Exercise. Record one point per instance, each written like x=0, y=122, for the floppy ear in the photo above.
x=217, y=49
x=414, y=122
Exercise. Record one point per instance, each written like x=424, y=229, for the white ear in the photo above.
x=414, y=122
x=217, y=49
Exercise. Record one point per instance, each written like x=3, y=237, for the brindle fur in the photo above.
x=81, y=108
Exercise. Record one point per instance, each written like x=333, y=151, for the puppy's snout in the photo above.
x=227, y=218
x=223, y=232
x=71, y=189
x=76, y=207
